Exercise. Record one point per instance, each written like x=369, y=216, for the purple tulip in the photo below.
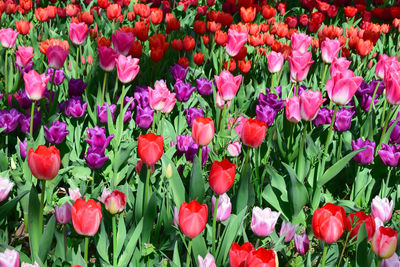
x=224, y=207
x=102, y=112
x=288, y=230
x=76, y=87
x=265, y=113
x=204, y=86
x=74, y=107
x=390, y=155
x=364, y=89
x=122, y=41
x=97, y=137
x=144, y=117
x=204, y=155
x=25, y=121
x=63, y=213
x=183, y=142
x=95, y=160
x=142, y=96
x=58, y=77
x=9, y=119
x=271, y=100
x=56, y=133
x=366, y=156
x=192, y=114
x=366, y=102
x=179, y=72
x=23, y=99
x=5, y=188
x=183, y=90
x=324, y=117
x=127, y=99
x=301, y=243
x=395, y=135
x=23, y=148
x=302, y=88
x=343, y=119
x=127, y=116
x=27, y=68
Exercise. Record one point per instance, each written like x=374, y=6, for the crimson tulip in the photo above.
x=222, y=176
x=328, y=223
x=150, y=148
x=44, y=162
x=238, y=254
x=192, y=218
x=262, y=257
x=86, y=216
x=356, y=220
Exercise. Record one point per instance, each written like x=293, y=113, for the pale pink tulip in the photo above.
x=234, y=148
x=8, y=37
x=263, y=221
x=275, y=61
x=224, y=207
x=160, y=98
x=382, y=208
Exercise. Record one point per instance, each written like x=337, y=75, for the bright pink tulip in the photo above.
x=300, y=42
x=292, y=109
x=384, y=242
x=310, y=102
x=380, y=66
x=382, y=208
x=9, y=258
x=220, y=103
x=35, y=84
x=339, y=65
x=227, y=84
x=161, y=99
x=127, y=68
x=392, y=82
x=23, y=56
x=236, y=41
x=107, y=57
x=275, y=61
x=86, y=216
x=329, y=50
x=78, y=32
x=299, y=65
x=342, y=87
x=8, y=37
x=263, y=221
x=56, y=56
x=122, y=41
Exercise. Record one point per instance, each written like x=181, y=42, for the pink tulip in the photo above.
x=176, y=216
x=78, y=32
x=23, y=56
x=234, y=149
x=35, y=84
x=343, y=86
x=8, y=37
x=105, y=194
x=275, y=61
x=74, y=194
x=115, y=202
x=292, y=109
x=224, y=207
x=9, y=258
x=127, y=68
x=161, y=99
x=35, y=264
x=208, y=261
x=339, y=65
x=310, y=102
x=122, y=41
x=263, y=221
x=382, y=208
x=63, y=213
x=384, y=242
x=329, y=50
x=300, y=42
x=56, y=56
x=288, y=230
x=380, y=66
x=393, y=261
x=107, y=57
x=5, y=188
x=392, y=82
x=237, y=123
x=236, y=41
x=220, y=103
x=227, y=84
x=299, y=65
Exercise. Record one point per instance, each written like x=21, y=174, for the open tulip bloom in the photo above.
x=199, y=133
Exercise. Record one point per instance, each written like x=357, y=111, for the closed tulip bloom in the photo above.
x=107, y=57
x=9, y=258
x=208, y=261
x=339, y=65
x=343, y=86
x=44, y=162
x=222, y=176
x=183, y=90
x=56, y=56
x=355, y=220
x=56, y=133
x=63, y=213
x=144, y=117
x=23, y=56
x=227, y=84
x=310, y=102
x=150, y=148
x=384, y=242
x=204, y=86
x=179, y=72
x=234, y=149
x=192, y=114
x=275, y=61
x=328, y=223
x=263, y=221
x=122, y=42
x=380, y=66
x=382, y=208
x=5, y=188
x=262, y=257
x=238, y=254
x=86, y=216
x=300, y=42
x=292, y=109
x=329, y=50
x=299, y=65
x=95, y=158
x=366, y=156
x=78, y=32
x=390, y=155
x=203, y=131
x=236, y=41
x=8, y=37
x=127, y=68
x=253, y=132
x=301, y=243
x=343, y=119
x=192, y=218
x=224, y=207
x=392, y=84
x=102, y=112
x=35, y=84
x=288, y=230
x=115, y=202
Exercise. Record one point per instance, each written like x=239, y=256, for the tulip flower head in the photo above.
x=382, y=208
x=263, y=221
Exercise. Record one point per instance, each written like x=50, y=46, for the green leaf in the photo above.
x=199, y=246
x=33, y=222
x=47, y=239
x=176, y=261
x=298, y=194
x=197, y=191
x=332, y=255
x=175, y=182
x=10, y=205
x=130, y=247
x=363, y=252
x=149, y=218
x=242, y=197
x=103, y=243
x=121, y=235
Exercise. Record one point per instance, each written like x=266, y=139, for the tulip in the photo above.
x=300, y=42
x=192, y=218
x=56, y=133
x=86, y=216
x=222, y=176
x=342, y=87
x=127, y=68
x=220, y=103
x=393, y=261
x=23, y=56
x=384, y=242
x=253, y=132
x=275, y=61
x=329, y=50
x=9, y=119
x=392, y=84
x=204, y=86
x=355, y=220
x=366, y=156
x=263, y=221
x=262, y=257
x=382, y=208
x=74, y=194
x=183, y=90
x=63, y=213
x=227, y=84
x=56, y=56
x=343, y=119
x=234, y=149
x=150, y=148
x=102, y=112
x=390, y=155
x=292, y=109
x=8, y=37
x=161, y=99
x=236, y=41
x=203, y=131
x=288, y=230
x=144, y=117
x=35, y=84
x=24, y=264
x=104, y=194
x=115, y=202
x=238, y=254
x=107, y=58
x=265, y=114
x=5, y=188
x=301, y=243
x=192, y=114
x=339, y=65
x=78, y=32
x=76, y=87
x=208, y=261
x=299, y=65
x=9, y=258
x=380, y=66
x=224, y=207
x=179, y=72
x=44, y=162
x=122, y=42
x=75, y=107
x=328, y=223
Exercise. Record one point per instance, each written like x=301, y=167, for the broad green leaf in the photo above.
x=10, y=205
x=149, y=218
x=197, y=190
x=130, y=247
x=121, y=235
x=199, y=246
x=298, y=194
x=103, y=243
x=242, y=196
x=47, y=238
x=175, y=182
x=176, y=261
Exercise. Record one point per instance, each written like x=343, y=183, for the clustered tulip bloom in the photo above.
x=150, y=148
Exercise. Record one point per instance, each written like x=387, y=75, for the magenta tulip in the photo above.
x=343, y=86
x=127, y=68
x=275, y=61
x=8, y=37
x=236, y=41
x=122, y=41
x=380, y=66
x=78, y=32
x=310, y=102
x=392, y=82
x=227, y=84
x=107, y=57
x=339, y=65
x=23, y=56
x=160, y=98
x=299, y=65
x=35, y=84
x=300, y=42
x=56, y=56
x=292, y=109
x=329, y=50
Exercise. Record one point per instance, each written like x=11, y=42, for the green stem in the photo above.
x=344, y=248
x=387, y=182
x=328, y=140
x=42, y=205
x=189, y=250
x=122, y=109
x=378, y=263
x=77, y=62
x=301, y=160
x=114, y=233
x=104, y=88
x=146, y=189
x=388, y=115
x=200, y=151
x=153, y=125
x=86, y=249
x=324, y=255
x=372, y=104
x=323, y=76
x=6, y=74
x=272, y=83
x=31, y=124
x=214, y=224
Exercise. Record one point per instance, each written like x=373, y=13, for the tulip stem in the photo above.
x=146, y=189
x=344, y=247
x=114, y=233
x=42, y=205
x=272, y=84
x=388, y=115
x=200, y=151
x=189, y=250
x=301, y=160
x=77, y=62
x=6, y=74
x=372, y=104
x=323, y=76
x=324, y=255
x=378, y=263
x=122, y=110
x=328, y=141
x=104, y=88
x=214, y=224
x=31, y=124
x=86, y=249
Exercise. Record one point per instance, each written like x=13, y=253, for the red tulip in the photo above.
x=263, y=258
x=115, y=202
x=203, y=130
x=384, y=242
x=328, y=223
x=150, y=148
x=44, y=163
x=238, y=254
x=192, y=218
x=253, y=132
x=86, y=216
x=356, y=220
x=222, y=176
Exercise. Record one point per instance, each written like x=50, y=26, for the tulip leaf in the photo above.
x=176, y=261
x=9, y=206
x=149, y=218
x=363, y=252
x=175, y=182
x=242, y=196
x=121, y=235
x=337, y=167
x=298, y=195
x=199, y=246
x=197, y=191
x=47, y=238
x=140, y=194
x=33, y=221
x=130, y=247
x=332, y=255
x=102, y=243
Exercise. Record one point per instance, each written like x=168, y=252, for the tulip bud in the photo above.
x=208, y=261
x=382, y=208
x=224, y=207
x=168, y=171
x=115, y=202
x=63, y=213
x=384, y=242
x=301, y=243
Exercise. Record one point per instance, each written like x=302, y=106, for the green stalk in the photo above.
x=378, y=263
x=372, y=104
x=77, y=62
x=146, y=189
x=301, y=163
x=214, y=224
x=328, y=140
x=31, y=124
x=104, y=88
x=388, y=115
x=200, y=151
x=323, y=76
x=86, y=249
x=42, y=205
x=114, y=233
x=189, y=250
x=272, y=83
x=324, y=255
x=344, y=247
x=6, y=74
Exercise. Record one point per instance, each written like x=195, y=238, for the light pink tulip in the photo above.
x=227, y=84
x=392, y=82
x=329, y=50
x=288, y=230
x=300, y=42
x=292, y=109
x=78, y=32
x=23, y=56
x=8, y=37
x=299, y=65
x=74, y=194
x=275, y=61
x=56, y=56
x=219, y=101
x=310, y=102
x=208, y=261
x=35, y=84
x=238, y=123
x=342, y=87
x=380, y=66
x=127, y=68
x=339, y=65
x=5, y=188
x=384, y=242
x=104, y=195
x=236, y=41
x=393, y=261
x=382, y=208
x=224, y=207
x=9, y=258
x=234, y=149
x=263, y=221
x=160, y=98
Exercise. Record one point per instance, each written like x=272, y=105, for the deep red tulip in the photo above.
x=355, y=220
x=262, y=257
x=150, y=148
x=238, y=254
x=86, y=216
x=253, y=132
x=44, y=162
x=192, y=218
x=328, y=223
x=222, y=176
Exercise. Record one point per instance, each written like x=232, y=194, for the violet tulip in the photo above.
x=102, y=112
x=35, y=84
x=275, y=61
x=56, y=133
x=127, y=68
x=204, y=86
x=236, y=41
x=342, y=87
x=192, y=114
x=393, y=261
x=224, y=207
x=329, y=50
x=63, y=213
x=300, y=42
x=366, y=156
x=78, y=32
x=301, y=243
x=23, y=56
x=107, y=57
x=5, y=188
x=299, y=65
x=76, y=87
x=227, y=84
x=56, y=56
x=343, y=119
x=292, y=109
x=144, y=117
x=74, y=107
x=382, y=208
x=384, y=242
x=122, y=41
x=179, y=72
x=288, y=230
x=183, y=91
x=263, y=221
x=310, y=102
x=97, y=137
x=8, y=37
x=390, y=155
x=265, y=114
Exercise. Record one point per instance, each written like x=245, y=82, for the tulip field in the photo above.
x=241, y=133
